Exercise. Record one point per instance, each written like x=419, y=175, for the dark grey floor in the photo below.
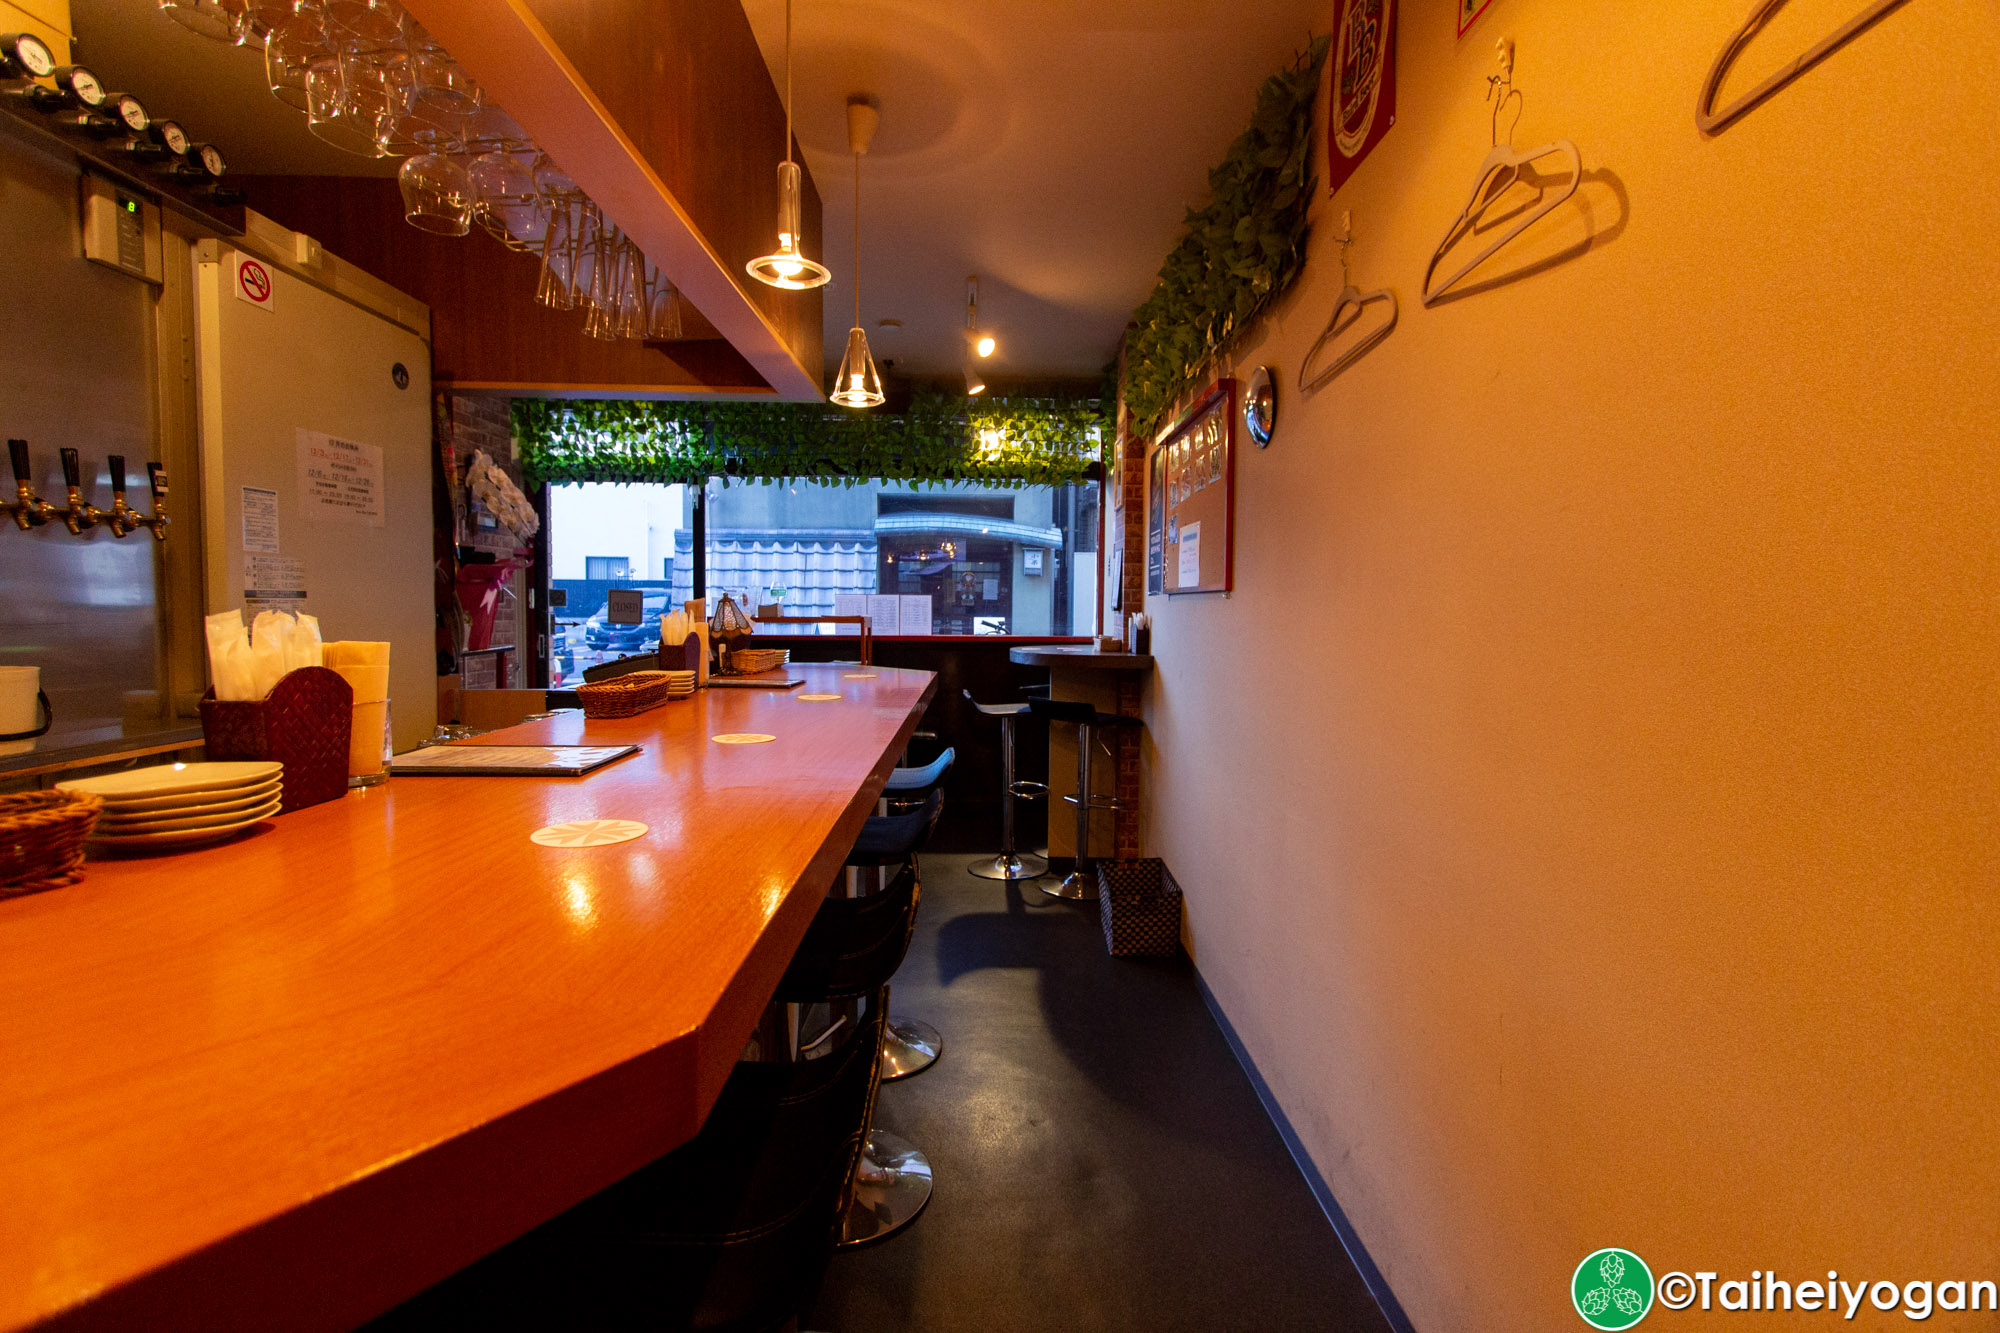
x=1102, y=1162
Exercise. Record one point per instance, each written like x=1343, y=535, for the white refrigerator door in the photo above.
x=316, y=470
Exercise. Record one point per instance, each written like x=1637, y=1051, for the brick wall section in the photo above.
x=469, y=421
x=1130, y=461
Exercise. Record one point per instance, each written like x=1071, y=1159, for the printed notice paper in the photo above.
x=260, y=521
x=885, y=613
x=340, y=481
x=273, y=583
x=916, y=613
x=1190, y=566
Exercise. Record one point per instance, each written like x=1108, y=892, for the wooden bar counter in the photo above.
x=288, y=1081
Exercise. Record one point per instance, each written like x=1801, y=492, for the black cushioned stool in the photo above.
x=1009, y=864
x=910, y=1045
x=729, y=1233
x=1081, y=883
x=893, y=1182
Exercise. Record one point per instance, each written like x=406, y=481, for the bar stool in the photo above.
x=1081, y=883
x=893, y=1182
x=1009, y=865
x=908, y=786
x=910, y=1045
x=731, y=1231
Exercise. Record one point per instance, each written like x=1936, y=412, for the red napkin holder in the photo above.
x=303, y=724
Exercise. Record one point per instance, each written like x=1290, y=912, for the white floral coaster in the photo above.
x=588, y=833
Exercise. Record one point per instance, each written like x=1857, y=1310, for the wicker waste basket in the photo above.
x=1140, y=907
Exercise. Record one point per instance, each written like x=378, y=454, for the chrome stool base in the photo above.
x=909, y=1046
x=891, y=1186
x=1010, y=867
x=1075, y=887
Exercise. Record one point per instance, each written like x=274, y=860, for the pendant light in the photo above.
x=786, y=267
x=858, y=384
x=977, y=345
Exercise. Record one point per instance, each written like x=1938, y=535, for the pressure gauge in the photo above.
x=170, y=136
x=81, y=85
x=22, y=54
x=131, y=114
x=211, y=161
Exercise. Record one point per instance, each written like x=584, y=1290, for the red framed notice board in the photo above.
x=1191, y=499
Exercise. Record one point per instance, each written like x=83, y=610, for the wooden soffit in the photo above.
x=664, y=113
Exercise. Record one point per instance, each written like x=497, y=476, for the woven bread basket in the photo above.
x=626, y=695
x=750, y=661
x=41, y=839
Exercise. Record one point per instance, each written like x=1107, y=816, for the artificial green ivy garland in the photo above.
x=1241, y=252
x=1000, y=441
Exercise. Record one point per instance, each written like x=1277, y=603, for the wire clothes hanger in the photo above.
x=1711, y=121
x=1497, y=174
x=1350, y=303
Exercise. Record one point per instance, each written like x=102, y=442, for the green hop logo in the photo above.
x=1612, y=1289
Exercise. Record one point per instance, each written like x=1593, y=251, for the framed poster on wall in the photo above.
x=1469, y=12
x=1364, y=84
x=1191, y=499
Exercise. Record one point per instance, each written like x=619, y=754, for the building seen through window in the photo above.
x=955, y=559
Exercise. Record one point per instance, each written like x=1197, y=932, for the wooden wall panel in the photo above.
x=488, y=331
x=696, y=101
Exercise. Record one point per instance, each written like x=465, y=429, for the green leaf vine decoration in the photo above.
x=1000, y=441
x=1241, y=251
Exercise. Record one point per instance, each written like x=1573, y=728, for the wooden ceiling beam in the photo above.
x=664, y=113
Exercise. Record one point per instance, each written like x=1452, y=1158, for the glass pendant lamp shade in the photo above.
x=785, y=267
x=858, y=384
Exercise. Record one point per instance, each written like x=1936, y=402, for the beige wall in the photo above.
x=1615, y=861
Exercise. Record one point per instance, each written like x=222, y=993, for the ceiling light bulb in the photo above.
x=986, y=345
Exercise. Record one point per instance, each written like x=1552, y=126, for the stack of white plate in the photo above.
x=180, y=804
x=680, y=684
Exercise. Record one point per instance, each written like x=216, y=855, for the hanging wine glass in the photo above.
x=289, y=52
x=372, y=21
x=505, y=201
x=437, y=194
x=326, y=109
x=557, y=285
x=221, y=20
x=377, y=88
x=629, y=301
x=663, y=307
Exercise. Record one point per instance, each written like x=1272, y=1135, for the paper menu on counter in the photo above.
x=884, y=613
x=850, y=604
x=915, y=616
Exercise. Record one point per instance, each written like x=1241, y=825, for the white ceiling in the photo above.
x=1050, y=146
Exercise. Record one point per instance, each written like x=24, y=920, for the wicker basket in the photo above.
x=626, y=695
x=41, y=839
x=1139, y=906
x=751, y=661
x=303, y=724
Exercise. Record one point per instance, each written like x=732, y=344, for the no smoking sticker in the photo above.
x=253, y=282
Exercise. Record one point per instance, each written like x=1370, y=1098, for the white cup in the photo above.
x=19, y=687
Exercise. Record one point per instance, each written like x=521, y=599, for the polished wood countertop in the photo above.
x=1079, y=655
x=288, y=1081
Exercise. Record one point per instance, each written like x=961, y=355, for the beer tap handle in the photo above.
x=29, y=511
x=122, y=519
x=156, y=476
x=78, y=517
